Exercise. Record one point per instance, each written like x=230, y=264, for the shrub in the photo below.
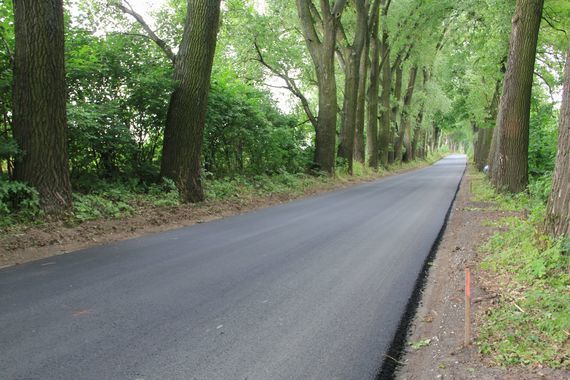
x=92, y=206
x=18, y=202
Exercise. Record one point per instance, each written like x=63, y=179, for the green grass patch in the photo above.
x=531, y=323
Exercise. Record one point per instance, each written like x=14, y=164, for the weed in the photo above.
x=91, y=206
x=18, y=202
x=419, y=344
x=531, y=323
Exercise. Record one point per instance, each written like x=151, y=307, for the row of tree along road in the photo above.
x=366, y=75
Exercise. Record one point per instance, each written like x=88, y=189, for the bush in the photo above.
x=18, y=202
x=91, y=206
x=164, y=193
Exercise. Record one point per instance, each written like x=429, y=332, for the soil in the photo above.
x=439, y=321
x=21, y=244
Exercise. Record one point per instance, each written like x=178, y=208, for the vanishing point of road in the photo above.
x=312, y=289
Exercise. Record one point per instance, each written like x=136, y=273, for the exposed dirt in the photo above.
x=437, y=331
x=27, y=243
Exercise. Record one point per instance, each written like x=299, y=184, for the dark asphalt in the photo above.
x=313, y=289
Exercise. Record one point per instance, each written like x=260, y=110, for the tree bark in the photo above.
x=416, y=138
x=322, y=50
x=40, y=119
x=404, y=131
x=436, y=137
x=482, y=147
x=372, y=92
x=359, y=153
x=385, y=116
x=186, y=115
x=558, y=208
x=484, y=136
x=510, y=158
x=395, y=110
x=352, y=69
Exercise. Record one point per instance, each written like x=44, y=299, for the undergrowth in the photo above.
x=531, y=323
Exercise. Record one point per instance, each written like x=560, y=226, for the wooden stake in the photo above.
x=467, y=340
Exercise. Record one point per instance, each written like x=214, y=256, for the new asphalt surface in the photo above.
x=313, y=289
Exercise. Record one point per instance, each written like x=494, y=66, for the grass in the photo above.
x=531, y=323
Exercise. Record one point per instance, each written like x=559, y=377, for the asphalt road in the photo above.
x=313, y=289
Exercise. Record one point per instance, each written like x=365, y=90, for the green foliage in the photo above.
x=8, y=148
x=539, y=188
x=259, y=185
x=116, y=199
x=164, y=194
x=543, y=136
x=531, y=322
x=510, y=202
x=92, y=206
x=18, y=202
x=246, y=134
x=417, y=345
x=117, y=107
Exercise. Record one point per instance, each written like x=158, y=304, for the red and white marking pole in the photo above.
x=467, y=339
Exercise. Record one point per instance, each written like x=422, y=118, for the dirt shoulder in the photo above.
x=435, y=344
x=22, y=244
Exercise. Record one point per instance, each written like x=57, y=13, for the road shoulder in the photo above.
x=434, y=349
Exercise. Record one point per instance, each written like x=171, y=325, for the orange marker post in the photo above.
x=467, y=339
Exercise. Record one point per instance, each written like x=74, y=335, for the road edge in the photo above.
x=391, y=360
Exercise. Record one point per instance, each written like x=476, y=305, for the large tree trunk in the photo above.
x=325, y=136
x=359, y=153
x=435, y=137
x=558, y=209
x=372, y=92
x=186, y=116
x=385, y=116
x=482, y=147
x=351, y=81
x=40, y=119
x=510, y=159
x=393, y=154
x=417, y=135
x=416, y=138
x=404, y=131
x=322, y=50
x=484, y=136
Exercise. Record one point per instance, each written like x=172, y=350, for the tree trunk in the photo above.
x=186, y=115
x=484, y=136
x=510, y=159
x=419, y=120
x=394, y=140
x=351, y=81
x=40, y=119
x=385, y=124
x=322, y=51
x=416, y=138
x=558, y=208
x=359, y=153
x=435, y=137
x=482, y=146
x=372, y=93
x=404, y=138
